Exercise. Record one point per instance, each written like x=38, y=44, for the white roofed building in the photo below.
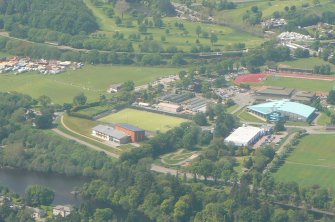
x=245, y=136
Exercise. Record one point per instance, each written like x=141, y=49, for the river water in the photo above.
x=18, y=180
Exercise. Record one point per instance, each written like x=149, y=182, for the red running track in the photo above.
x=257, y=78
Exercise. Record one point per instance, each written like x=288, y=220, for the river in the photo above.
x=18, y=180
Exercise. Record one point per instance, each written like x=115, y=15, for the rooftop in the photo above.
x=130, y=127
x=110, y=131
x=169, y=105
x=280, y=91
x=243, y=135
x=284, y=105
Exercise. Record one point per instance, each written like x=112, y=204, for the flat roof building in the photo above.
x=136, y=134
x=274, y=93
x=283, y=109
x=169, y=107
x=245, y=136
x=109, y=133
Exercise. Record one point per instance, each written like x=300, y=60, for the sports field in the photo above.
x=146, y=120
x=306, y=63
x=312, y=162
x=302, y=84
x=91, y=80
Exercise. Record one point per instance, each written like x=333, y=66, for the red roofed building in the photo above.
x=136, y=134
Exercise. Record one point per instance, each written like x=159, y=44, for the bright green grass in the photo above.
x=232, y=108
x=92, y=111
x=307, y=63
x=302, y=84
x=323, y=119
x=146, y=120
x=79, y=125
x=177, y=37
x=296, y=123
x=318, y=152
x=91, y=80
x=267, y=7
x=245, y=116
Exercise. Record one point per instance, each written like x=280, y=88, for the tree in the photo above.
x=128, y=86
x=279, y=127
x=44, y=100
x=198, y=30
x=142, y=28
x=39, y=195
x=331, y=97
x=44, y=121
x=122, y=6
x=214, y=38
x=200, y=119
x=103, y=215
x=80, y=100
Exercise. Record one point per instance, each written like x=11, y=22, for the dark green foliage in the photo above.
x=67, y=16
x=331, y=97
x=39, y=195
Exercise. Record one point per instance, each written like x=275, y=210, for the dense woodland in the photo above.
x=67, y=16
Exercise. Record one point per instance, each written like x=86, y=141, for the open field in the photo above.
x=268, y=8
x=92, y=111
x=146, y=120
x=323, y=119
x=307, y=63
x=302, y=84
x=91, y=80
x=183, y=39
x=246, y=116
x=312, y=162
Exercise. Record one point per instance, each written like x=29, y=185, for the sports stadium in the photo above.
x=281, y=110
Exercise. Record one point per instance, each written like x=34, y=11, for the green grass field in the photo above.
x=302, y=84
x=307, y=63
x=323, y=119
x=246, y=116
x=175, y=37
x=91, y=80
x=146, y=120
x=268, y=8
x=312, y=162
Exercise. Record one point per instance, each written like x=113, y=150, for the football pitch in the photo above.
x=311, y=163
x=146, y=120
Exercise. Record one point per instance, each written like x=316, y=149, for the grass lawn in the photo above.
x=302, y=84
x=296, y=123
x=183, y=39
x=307, y=63
x=312, y=162
x=246, y=116
x=146, y=120
x=323, y=119
x=91, y=80
x=81, y=126
x=84, y=127
x=232, y=108
x=92, y=111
